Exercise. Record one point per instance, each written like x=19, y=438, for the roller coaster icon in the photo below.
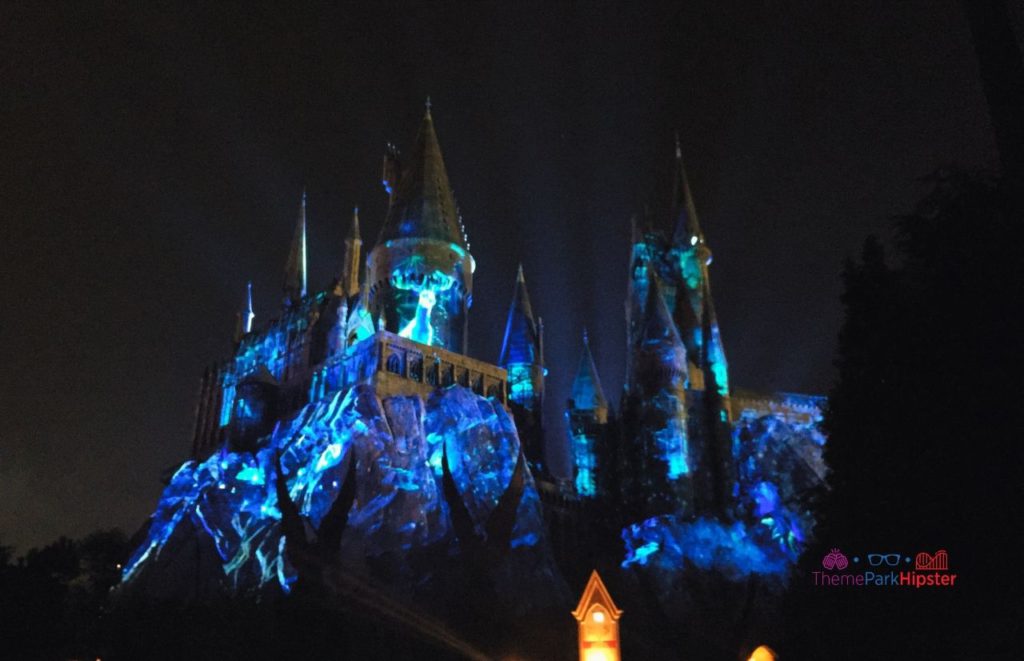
x=937, y=562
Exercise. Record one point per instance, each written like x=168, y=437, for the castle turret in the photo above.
x=689, y=258
x=522, y=354
x=295, y=267
x=420, y=273
x=587, y=422
x=676, y=446
x=348, y=280
x=659, y=460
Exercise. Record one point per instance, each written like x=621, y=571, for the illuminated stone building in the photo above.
x=685, y=457
x=671, y=447
x=403, y=330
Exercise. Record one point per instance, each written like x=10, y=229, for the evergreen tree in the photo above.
x=921, y=434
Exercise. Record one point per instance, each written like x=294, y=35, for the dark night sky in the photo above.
x=151, y=161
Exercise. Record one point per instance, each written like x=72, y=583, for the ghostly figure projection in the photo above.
x=420, y=273
x=419, y=329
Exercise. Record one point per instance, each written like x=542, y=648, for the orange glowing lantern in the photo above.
x=598, y=619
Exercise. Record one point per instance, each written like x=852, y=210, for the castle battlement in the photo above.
x=396, y=365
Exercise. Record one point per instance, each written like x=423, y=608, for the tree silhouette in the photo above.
x=921, y=432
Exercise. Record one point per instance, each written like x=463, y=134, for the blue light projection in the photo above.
x=691, y=267
x=419, y=329
x=736, y=549
x=718, y=365
x=780, y=467
x=277, y=347
x=672, y=446
x=227, y=404
x=230, y=498
x=585, y=458
x=520, y=383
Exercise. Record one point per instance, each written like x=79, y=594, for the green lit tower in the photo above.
x=522, y=354
x=677, y=408
x=420, y=273
x=587, y=424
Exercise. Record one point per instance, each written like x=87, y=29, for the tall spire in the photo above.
x=522, y=336
x=684, y=214
x=348, y=282
x=295, y=268
x=353, y=228
x=422, y=204
x=249, y=314
x=586, y=387
x=244, y=316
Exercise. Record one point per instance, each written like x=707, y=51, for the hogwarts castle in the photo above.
x=403, y=329
x=353, y=435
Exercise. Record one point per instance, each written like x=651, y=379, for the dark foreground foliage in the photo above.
x=924, y=443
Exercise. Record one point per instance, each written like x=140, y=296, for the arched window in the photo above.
x=395, y=363
x=416, y=369
x=432, y=374
x=449, y=375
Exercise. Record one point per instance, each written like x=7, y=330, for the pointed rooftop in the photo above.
x=423, y=206
x=686, y=226
x=659, y=327
x=522, y=333
x=248, y=314
x=595, y=593
x=353, y=230
x=586, y=387
x=295, y=267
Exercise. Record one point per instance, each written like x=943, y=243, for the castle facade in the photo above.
x=398, y=322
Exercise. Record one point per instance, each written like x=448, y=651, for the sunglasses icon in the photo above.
x=891, y=559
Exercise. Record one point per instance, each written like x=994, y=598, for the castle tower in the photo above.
x=295, y=267
x=348, y=280
x=420, y=273
x=522, y=354
x=690, y=257
x=658, y=463
x=676, y=412
x=522, y=350
x=694, y=313
x=587, y=418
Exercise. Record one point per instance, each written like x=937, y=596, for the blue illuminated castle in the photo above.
x=359, y=405
x=402, y=329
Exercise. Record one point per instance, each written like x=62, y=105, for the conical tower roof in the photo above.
x=423, y=206
x=686, y=225
x=659, y=326
x=586, y=387
x=522, y=337
x=353, y=229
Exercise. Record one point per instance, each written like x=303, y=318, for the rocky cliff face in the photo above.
x=431, y=493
